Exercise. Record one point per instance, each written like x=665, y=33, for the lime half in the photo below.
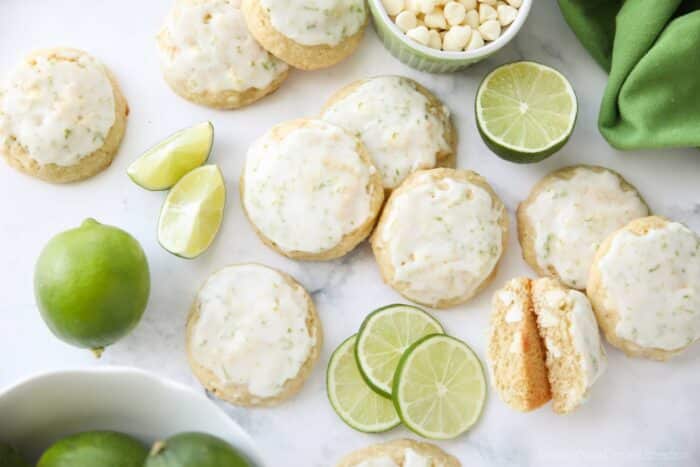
x=163, y=165
x=439, y=388
x=525, y=111
x=384, y=337
x=192, y=212
x=351, y=398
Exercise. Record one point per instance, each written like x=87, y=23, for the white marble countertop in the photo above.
x=641, y=413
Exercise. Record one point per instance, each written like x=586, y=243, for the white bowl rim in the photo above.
x=116, y=370
x=479, y=53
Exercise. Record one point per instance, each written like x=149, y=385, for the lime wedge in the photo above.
x=384, y=337
x=525, y=111
x=163, y=165
x=192, y=212
x=439, y=388
x=354, y=402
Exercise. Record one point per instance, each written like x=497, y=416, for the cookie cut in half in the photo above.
x=404, y=126
x=568, y=214
x=441, y=236
x=400, y=453
x=310, y=190
x=645, y=288
x=516, y=352
x=307, y=34
x=62, y=116
x=253, y=335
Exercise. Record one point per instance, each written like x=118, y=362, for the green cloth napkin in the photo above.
x=651, y=48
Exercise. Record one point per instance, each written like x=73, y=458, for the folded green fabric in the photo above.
x=651, y=48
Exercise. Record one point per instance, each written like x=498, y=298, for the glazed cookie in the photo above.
x=310, y=190
x=253, y=335
x=575, y=355
x=403, y=125
x=568, y=215
x=209, y=57
x=516, y=354
x=645, y=288
x=400, y=453
x=62, y=116
x=307, y=34
x=441, y=236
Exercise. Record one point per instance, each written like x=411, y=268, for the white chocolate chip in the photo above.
x=406, y=20
x=486, y=13
x=455, y=13
x=490, y=30
x=436, y=20
x=435, y=40
x=475, y=41
x=419, y=34
x=412, y=5
x=472, y=19
x=506, y=14
x=515, y=3
x=426, y=6
x=393, y=7
x=457, y=38
x=489, y=2
x=468, y=4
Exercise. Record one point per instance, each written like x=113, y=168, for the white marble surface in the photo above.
x=640, y=414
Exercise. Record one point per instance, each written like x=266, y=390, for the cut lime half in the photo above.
x=355, y=402
x=163, y=165
x=384, y=336
x=192, y=212
x=525, y=111
x=439, y=387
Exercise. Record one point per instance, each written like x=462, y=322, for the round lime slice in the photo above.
x=192, y=212
x=525, y=111
x=355, y=402
x=439, y=387
x=384, y=337
x=163, y=165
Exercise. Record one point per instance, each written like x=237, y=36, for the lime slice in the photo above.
x=351, y=398
x=163, y=165
x=384, y=337
x=439, y=388
x=525, y=111
x=192, y=212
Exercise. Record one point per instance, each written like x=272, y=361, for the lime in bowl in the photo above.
x=432, y=60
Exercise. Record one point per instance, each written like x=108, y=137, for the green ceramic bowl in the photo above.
x=431, y=60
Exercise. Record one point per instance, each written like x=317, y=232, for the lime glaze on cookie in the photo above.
x=396, y=123
x=316, y=22
x=411, y=459
x=59, y=108
x=653, y=282
x=206, y=46
x=252, y=329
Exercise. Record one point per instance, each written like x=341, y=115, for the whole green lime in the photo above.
x=9, y=457
x=93, y=449
x=194, y=450
x=92, y=284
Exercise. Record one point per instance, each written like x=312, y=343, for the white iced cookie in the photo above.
x=62, y=116
x=645, y=288
x=310, y=190
x=440, y=237
x=253, y=335
x=575, y=354
x=400, y=453
x=403, y=125
x=208, y=56
x=567, y=216
x=307, y=34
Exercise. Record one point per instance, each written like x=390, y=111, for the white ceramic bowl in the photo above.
x=437, y=61
x=38, y=411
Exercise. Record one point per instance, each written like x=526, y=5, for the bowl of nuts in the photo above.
x=442, y=36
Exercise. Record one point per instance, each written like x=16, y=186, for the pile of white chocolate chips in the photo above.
x=453, y=25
